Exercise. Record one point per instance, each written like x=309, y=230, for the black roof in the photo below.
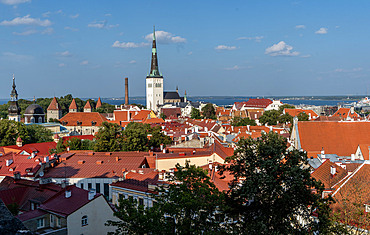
x=171, y=95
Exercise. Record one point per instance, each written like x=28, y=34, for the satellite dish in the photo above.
x=41, y=174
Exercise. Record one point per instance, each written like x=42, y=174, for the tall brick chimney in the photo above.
x=126, y=91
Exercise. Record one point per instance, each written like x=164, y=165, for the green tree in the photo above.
x=303, y=116
x=190, y=204
x=135, y=137
x=285, y=106
x=38, y=134
x=270, y=117
x=238, y=121
x=208, y=111
x=109, y=138
x=285, y=118
x=195, y=113
x=158, y=138
x=106, y=108
x=271, y=188
x=163, y=116
x=59, y=148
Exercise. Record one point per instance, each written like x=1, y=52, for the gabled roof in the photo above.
x=295, y=112
x=54, y=105
x=61, y=205
x=98, y=164
x=86, y=119
x=73, y=104
x=258, y=103
x=171, y=95
x=98, y=104
x=345, y=113
x=41, y=148
x=341, y=138
x=323, y=174
x=139, y=181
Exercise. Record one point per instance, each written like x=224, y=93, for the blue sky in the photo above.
x=240, y=48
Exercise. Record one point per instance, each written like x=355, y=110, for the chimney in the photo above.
x=333, y=170
x=353, y=157
x=126, y=91
x=210, y=165
x=19, y=142
x=91, y=194
x=352, y=110
x=322, y=153
x=68, y=193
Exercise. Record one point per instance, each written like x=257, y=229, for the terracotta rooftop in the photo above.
x=295, y=112
x=258, y=103
x=54, y=105
x=341, y=138
x=98, y=104
x=73, y=104
x=86, y=119
x=88, y=105
x=323, y=174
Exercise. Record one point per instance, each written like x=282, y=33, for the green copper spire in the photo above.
x=154, y=70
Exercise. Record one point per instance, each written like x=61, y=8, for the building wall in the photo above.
x=98, y=212
x=83, y=130
x=167, y=164
x=56, y=114
x=125, y=193
x=154, y=93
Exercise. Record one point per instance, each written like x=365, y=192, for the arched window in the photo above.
x=84, y=221
x=40, y=119
x=32, y=120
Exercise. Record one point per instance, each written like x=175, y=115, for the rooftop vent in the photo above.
x=81, y=162
x=99, y=162
x=68, y=193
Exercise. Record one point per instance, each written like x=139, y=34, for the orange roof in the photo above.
x=88, y=105
x=54, y=105
x=142, y=115
x=86, y=119
x=323, y=174
x=345, y=113
x=295, y=112
x=73, y=104
x=153, y=120
x=98, y=104
x=365, y=148
x=341, y=138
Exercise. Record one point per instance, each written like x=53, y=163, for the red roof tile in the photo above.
x=98, y=104
x=88, y=105
x=86, y=119
x=258, y=103
x=73, y=105
x=54, y=105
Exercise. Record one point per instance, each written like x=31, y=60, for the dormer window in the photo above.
x=84, y=221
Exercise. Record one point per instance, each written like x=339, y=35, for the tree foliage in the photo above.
x=275, y=189
x=11, y=130
x=190, y=204
x=239, y=121
x=109, y=138
x=208, y=111
x=195, y=113
x=285, y=106
x=303, y=116
x=135, y=137
x=271, y=117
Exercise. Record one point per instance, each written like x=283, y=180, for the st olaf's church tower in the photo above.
x=154, y=82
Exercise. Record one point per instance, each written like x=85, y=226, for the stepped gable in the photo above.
x=98, y=104
x=341, y=138
x=88, y=105
x=73, y=104
x=83, y=119
x=54, y=105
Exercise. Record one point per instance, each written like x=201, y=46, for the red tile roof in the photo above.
x=88, y=105
x=345, y=113
x=112, y=164
x=295, y=112
x=31, y=215
x=323, y=174
x=341, y=138
x=54, y=105
x=61, y=205
x=71, y=119
x=98, y=104
x=258, y=103
x=73, y=105
x=41, y=148
x=138, y=181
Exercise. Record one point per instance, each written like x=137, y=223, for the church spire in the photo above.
x=14, y=94
x=154, y=70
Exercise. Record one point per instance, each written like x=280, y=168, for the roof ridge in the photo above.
x=355, y=172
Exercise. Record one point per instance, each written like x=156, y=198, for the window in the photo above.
x=84, y=221
x=59, y=222
x=97, y=187
x=106, y=189
x=141, y=202
x=121, y=196
x=82, y=185
x=149, y=85
x=40, y=223
x=89, y=186
x=367, y=208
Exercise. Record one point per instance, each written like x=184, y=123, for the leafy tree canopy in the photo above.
x=285, y=106
x=270, y=117
x=238, y=121
x=208, y=111
x=195, y=113
x=109, y=138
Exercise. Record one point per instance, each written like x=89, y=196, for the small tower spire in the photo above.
x=154, y=70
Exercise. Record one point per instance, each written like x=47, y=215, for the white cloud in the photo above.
x=16, y=57
x=61, y=65
x=85, y=62
x=306, y=56
x=132, y=62
x=70, y=28
x=48, y=31
x=108, y=14
x=26, y=33
x=74, y=16
x=165, y=37
x=64, y=54
x=340, y=70
x=112, y=26
x=281, y=49
x=256, y=38
x=235, y=67
x=129, y=44
x=322, y=31
x=101, y=25
x=26, y=20
x=301, y=26
x=223, y=47
x=46, y=14
x=14, y=2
